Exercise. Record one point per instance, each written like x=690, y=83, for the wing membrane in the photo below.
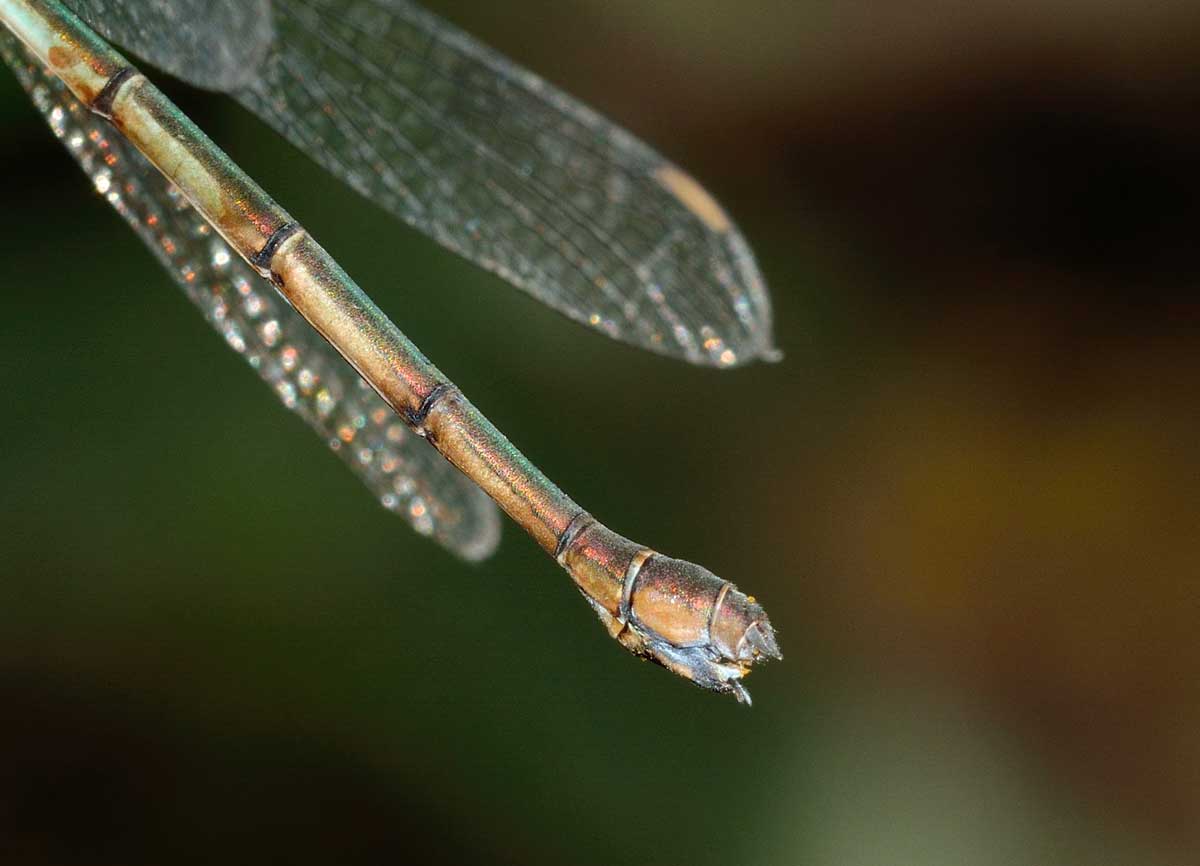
x=215, y=44
x=497, y=165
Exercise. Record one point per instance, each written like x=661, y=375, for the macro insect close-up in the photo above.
x=206, y=622
x=580, y=214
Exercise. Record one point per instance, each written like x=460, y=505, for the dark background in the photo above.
x=968, y=496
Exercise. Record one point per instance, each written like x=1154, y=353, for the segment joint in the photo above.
x=631, y=576
x=417, y=419
x=577, y=525
x=261, y=260
x=103, y=103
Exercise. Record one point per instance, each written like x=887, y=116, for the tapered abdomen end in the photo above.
x=676, y=613
x=698, y=625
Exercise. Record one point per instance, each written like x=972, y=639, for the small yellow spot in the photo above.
x=693, y=197
x=752, y=599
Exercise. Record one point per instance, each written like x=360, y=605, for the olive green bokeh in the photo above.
x=214, y=645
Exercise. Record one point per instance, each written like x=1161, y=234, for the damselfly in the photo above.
x=481, y=155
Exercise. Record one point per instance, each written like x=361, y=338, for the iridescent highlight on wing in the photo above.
x=495, y=164
x=306, y=374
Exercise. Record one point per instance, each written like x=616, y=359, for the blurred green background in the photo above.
x=968, y=496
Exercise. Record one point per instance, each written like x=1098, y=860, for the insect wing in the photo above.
x=484, y=157
x=405, y=474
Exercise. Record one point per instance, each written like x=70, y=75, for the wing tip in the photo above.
x=771, y=354
x=487, y=538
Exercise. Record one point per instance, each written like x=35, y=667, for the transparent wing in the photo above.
x=215, y=44
x=308, y=376
x=502, y=168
